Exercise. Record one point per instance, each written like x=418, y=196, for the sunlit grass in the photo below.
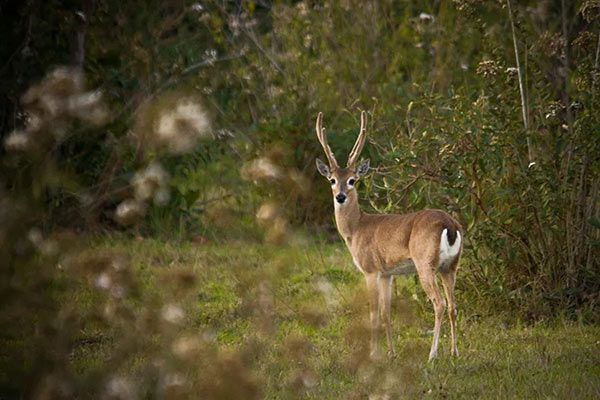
x=300, y=337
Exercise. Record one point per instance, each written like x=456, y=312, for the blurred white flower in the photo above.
x=181, y=128
x=174, y=380
x=17, y=141
x=302, y=9
x=267, y=213
x=129, y=211
x=224, y=134
x=35, y=236
x=103, y=281
x=162, y=197
x=210, y=56
x=120, y=387
x=52, y=93
x=118, y=291
x=34, y=121
x=88, y=107
x=151, y=183
x=45, y=246
x=186, y=346
x=172, y=313
x=197, y=7
x=426, y=17
x=261, y=169
x=118, y=264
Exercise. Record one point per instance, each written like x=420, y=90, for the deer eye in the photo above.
x=351, y=181
x=332, y=181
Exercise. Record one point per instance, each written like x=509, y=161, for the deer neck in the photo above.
x=347, y=218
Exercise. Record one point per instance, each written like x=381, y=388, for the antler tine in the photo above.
x=323, y=140
x=360, y=141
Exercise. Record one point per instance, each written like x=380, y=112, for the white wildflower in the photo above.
x=34, y=121
x=129, y=211
x=186, y=346
x=35, y=236
x=210, y=56
x=224, y=134
x=172, y=313
x=181, y=128
x=426, y=17
x=151, y=183
x=302, y=9
x=118, y=264
x=84, y=100
x=261, y=169
x=267, y=213
x=162, y=197
x=197, y=7
x=118, y=291
x=120, y=388
x=17, y=141
x=88, y=107
x=103, y=281
x=174, y=380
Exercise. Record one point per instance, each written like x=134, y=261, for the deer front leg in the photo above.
x=373, y=293
x=385, y=303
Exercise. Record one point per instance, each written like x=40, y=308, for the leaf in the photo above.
x=595, y=222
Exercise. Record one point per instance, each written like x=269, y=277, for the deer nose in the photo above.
x=341, y=197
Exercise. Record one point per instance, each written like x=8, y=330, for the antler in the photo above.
x=360, y=141
x=323, y=140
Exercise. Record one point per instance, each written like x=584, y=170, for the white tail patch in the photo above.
x=447, y=252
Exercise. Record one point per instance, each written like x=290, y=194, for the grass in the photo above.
x=290, y=322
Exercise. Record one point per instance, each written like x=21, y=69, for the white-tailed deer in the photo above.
x=384, y=245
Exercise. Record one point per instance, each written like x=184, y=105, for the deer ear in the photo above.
x=363, y=168
x=323, y=168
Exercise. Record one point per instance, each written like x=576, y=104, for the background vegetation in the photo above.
x=157, y=180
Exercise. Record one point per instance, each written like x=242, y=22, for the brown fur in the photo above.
x=380, y=242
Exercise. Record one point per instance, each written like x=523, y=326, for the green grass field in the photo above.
x=290, y=323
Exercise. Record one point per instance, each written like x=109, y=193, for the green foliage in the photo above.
x=239, y=84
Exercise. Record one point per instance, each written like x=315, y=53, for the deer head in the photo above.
x=342, y=180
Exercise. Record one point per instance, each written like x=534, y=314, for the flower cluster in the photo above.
x=52, y=105
x=149, y=184
x=266, y=171
x=489, y=68
x=179, y=129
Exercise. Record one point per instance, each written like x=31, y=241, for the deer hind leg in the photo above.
x=373, y=293
x=448, y=280
x=385, y=302
x=427, y=277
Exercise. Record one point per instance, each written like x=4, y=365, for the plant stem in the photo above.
x=521, y=86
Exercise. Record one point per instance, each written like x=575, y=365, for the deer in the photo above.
x=428, y=242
